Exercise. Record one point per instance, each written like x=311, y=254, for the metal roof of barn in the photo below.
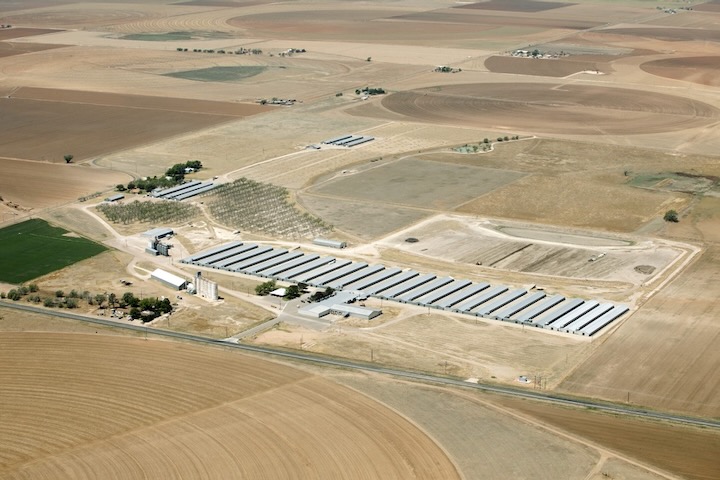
x=480, y=299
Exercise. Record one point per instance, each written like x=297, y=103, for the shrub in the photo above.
x=671, y=216
x=13, y=295
x=33, y=287
x=59, y=293
x=49, y=302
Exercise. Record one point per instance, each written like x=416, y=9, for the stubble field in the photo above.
x=93, y=406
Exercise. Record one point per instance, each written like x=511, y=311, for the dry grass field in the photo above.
x=612, y=136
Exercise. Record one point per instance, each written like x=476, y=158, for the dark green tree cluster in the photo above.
x=173, y=176
x=371, y=91
x=265, y=288
x=671, y=216
x=321, y=295
x=145, y=309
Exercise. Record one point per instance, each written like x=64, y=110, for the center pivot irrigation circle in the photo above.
x=552, y=108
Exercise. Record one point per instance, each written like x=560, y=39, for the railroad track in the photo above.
x=395, y=372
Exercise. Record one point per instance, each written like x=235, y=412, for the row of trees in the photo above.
x=174, y=175
x=145, y=309
x=137, y=211
x=293, y=291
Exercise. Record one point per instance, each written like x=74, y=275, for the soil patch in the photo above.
x=219, y=74
x=8, y=49
x=515, y=5
x=701, y=70
x=10, y=33
x=540, y=67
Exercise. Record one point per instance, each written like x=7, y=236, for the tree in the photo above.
x=71, y=303
x=671, y=216
x=120, y=187
x=265, y=288
x=99, y=298
x=68, y=158
x=536, y=53
x=74, y=294
x=369, y=59
x=59, y=293
x=129, y=299
x=486, y=140
x=112, y=300
x=293, y=291
x=13, y=295
x=49, y=302
x=33, y=287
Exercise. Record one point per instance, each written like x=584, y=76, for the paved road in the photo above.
x=422, y=377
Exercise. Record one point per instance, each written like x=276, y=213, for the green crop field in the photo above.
x=34, y=247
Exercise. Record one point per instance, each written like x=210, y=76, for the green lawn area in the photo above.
x=219, y=74
x=34, y=247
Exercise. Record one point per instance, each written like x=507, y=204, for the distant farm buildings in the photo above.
x=324, y=242
x=348, y=140
x=183, y=191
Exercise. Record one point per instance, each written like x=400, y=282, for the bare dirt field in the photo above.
x=38, y=185
x=711, y=6
x=687, y=452
x=668, y=34
x=470, y=425
x=10, y=33
x=507, y=248
x=575, y=109
x=514, y=5
x=666, y=358
x=702, y=70
x=88, y=405
x=88, y=124
x=8, y=49
x=541, y=67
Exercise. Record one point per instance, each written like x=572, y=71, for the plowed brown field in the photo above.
x=9, y=33
x=668, y=34
x=38, y=185
x=548, y=108
x=93, y=406
x=86, y=124
x=702, y=70
x=540, y=67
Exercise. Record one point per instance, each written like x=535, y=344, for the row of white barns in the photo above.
x=348, y=140
x=572, y=315
x=183, y=191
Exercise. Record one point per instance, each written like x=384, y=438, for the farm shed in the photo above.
x=168, y=279
x=158, y=233
x=353, y=311
x=115, y=198
x=324, y=242
x=315, y=310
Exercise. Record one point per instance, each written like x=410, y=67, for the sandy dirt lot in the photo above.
x=91, y=404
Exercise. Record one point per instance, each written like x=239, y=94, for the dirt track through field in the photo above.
x=93, y=406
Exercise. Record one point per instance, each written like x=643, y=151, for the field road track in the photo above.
x=405, y=374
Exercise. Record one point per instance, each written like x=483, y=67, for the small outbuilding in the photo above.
x=168, y=279
x=324, y=242
x=158, y=233
x=115, y=198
